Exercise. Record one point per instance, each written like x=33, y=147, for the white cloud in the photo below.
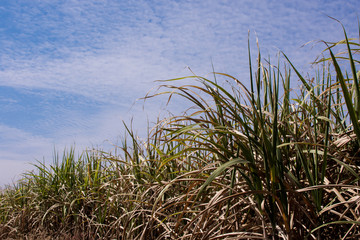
x=107, y=47
x=13, y=170
x=20, y=148
x=110, y=52
x=17, y=150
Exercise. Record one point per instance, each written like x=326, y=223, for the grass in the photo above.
x=267, y=162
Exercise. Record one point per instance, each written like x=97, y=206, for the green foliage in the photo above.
x=265, y=162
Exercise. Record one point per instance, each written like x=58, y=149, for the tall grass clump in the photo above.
x=260, y=160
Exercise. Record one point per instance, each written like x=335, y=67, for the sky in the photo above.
x=71, y=71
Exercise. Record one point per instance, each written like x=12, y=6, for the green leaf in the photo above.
x=219, y=170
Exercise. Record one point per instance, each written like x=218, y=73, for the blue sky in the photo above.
x=71, y=71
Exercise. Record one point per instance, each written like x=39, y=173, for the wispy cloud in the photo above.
x=82, y=64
